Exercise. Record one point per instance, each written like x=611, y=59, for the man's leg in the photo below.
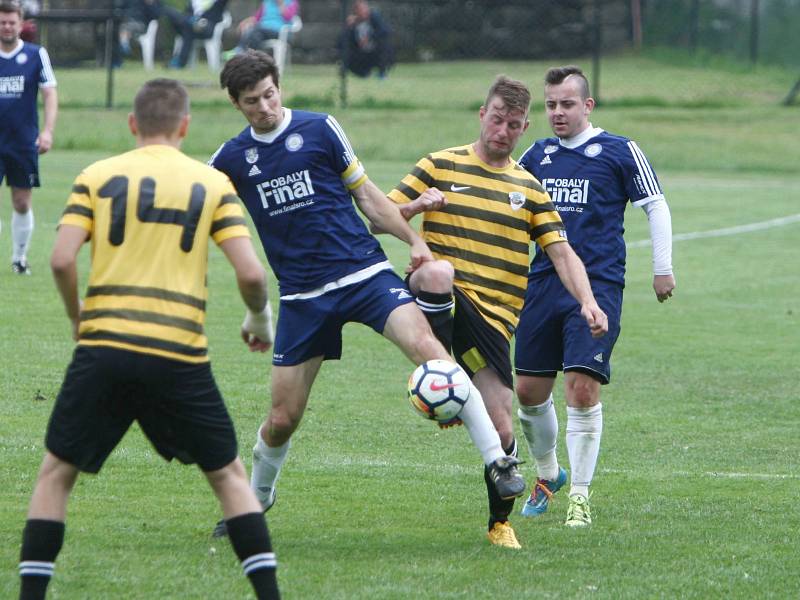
x=44, y=530
x=432, y=286
x=584, y=430
x=537, y=415
x=246, y=527
x=21, y=229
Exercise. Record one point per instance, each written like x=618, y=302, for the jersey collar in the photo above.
x=19, y=46
x=581, y=138
x=268, y=138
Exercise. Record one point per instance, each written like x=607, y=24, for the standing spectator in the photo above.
x=481, y=211
x=591, y=176
x=366, y=42
x=141, y=353
x=298, y=177
x=264, y=25
x=137, y=15
x=196, y=22
x=24, y=70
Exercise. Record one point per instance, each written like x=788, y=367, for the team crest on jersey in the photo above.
x=550, y=149
x=593, y=150
x=516, y=199
x=294, y=142
x=22, y=58
x=251, y=155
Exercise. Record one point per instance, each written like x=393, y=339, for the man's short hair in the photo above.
x=245, y=70
x=11, y=6
x=557, y=75
x=514, y=94
x=159, y=107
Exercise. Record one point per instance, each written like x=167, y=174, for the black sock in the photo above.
x=438, y=309
x=499, y=509
x=250, y=540
x=41, y=543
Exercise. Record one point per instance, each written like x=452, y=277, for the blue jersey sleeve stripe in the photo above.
x=337, y=129
x=48, y=76
x=645, y=170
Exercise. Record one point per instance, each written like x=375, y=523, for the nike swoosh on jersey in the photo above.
x=458, y=188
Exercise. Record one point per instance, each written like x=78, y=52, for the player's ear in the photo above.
x=234, y=101
x=132, y=125
x=183, y=128
x=589, y=105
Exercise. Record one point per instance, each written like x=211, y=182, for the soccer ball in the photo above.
x=438, y=390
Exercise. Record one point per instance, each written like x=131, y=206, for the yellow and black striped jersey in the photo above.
x=492, y=214
x=150, y=213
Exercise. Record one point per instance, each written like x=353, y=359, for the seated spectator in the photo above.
x=366, y=42
x=136, y=15
x=264, y=25
x=196, y=22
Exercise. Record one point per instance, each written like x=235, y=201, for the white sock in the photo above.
x=480, y=427
x=21, y=231
x=540, y=426
x=267, y=463
x=584, y=429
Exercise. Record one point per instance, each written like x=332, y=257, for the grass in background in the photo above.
x=695, y=491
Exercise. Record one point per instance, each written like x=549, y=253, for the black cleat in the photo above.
x=506, y=477
x=20, y=267
x=221, y=528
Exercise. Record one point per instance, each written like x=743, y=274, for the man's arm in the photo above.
x=572, y=273
x=63, y=263
x=384, y=215
x=257, y=330
x=660, y=221
x=50, y=99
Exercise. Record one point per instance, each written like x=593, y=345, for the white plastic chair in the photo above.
x=212, y=45
x=147, y=41
x=280, y=47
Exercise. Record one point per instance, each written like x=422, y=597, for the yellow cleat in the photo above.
x=578, y=514
x=502, y=534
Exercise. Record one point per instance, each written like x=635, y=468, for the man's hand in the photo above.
x=44, y=142
x=257, y=330
x=430, y=199
x=420, y=253
x=663, y=286
x=596, y=319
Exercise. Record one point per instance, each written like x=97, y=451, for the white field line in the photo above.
x=389, y=464
x=696, y=235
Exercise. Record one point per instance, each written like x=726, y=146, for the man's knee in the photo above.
x=533, y=391
x=434, y=276
x=21, y=199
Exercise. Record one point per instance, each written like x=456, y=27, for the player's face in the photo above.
x=567, y=112
x=10, y=28
x=261, y=105
x=501, y=128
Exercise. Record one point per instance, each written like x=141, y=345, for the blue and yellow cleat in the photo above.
x=542, y=491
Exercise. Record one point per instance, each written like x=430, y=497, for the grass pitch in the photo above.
x=695, y=494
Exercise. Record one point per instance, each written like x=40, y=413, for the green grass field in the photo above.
x=699, y=471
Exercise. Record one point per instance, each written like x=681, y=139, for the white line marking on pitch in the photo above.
x=696, y=235
x=722, y=474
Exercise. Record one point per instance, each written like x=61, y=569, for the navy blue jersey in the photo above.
x=590, y=182
x=296, y=182
x=22, y=72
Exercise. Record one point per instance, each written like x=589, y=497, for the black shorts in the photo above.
x=177, y=404
x=476, y=344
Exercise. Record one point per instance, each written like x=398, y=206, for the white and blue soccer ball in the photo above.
x=438, y=390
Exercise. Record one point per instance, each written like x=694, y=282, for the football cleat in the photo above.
x=20, y=267
x=578, y=514
x=221, y=528
x=454, y=422
x=507, y=479
x=541, y=494
x=502, y=534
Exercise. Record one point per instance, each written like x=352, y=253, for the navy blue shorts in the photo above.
x=313, y=327
x=553, y=336
x=20, y=168
x=177, y=405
